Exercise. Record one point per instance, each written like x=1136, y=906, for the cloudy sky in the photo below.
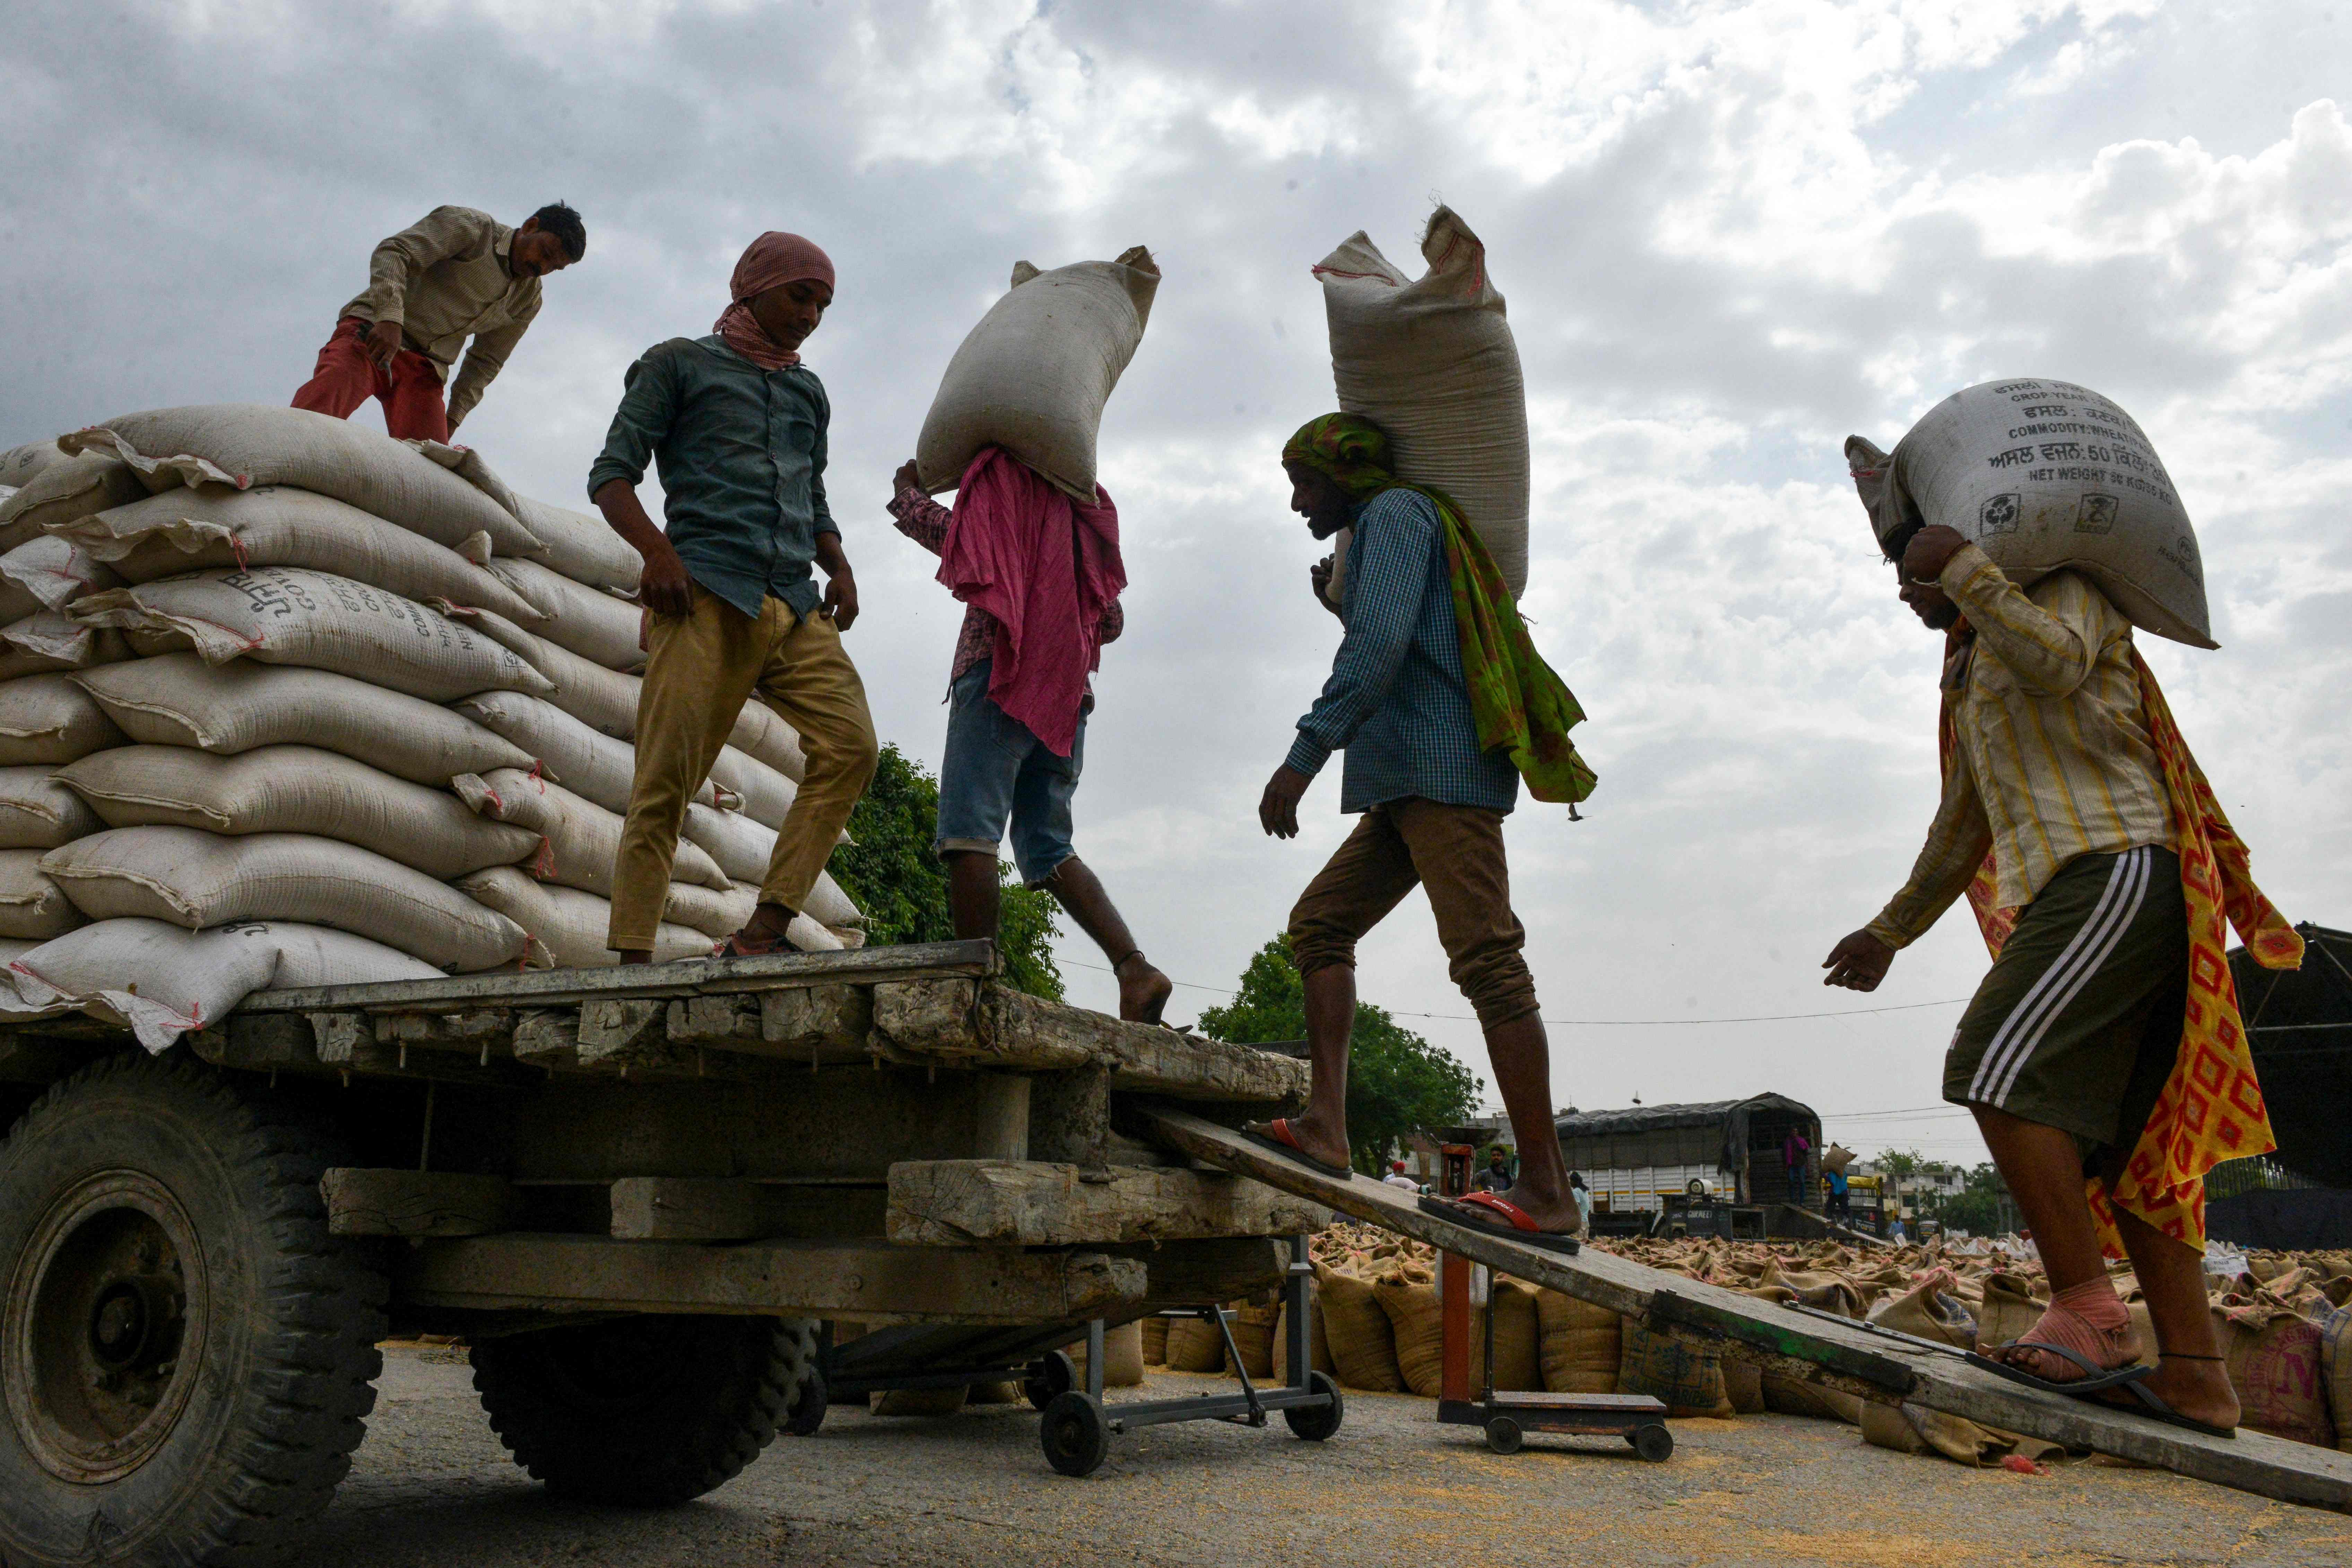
x=1730, y=234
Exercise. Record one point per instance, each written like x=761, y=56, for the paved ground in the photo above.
x=432, y=1489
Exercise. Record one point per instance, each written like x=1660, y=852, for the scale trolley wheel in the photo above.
x=1503, y=1435
x=806, y=1411
x=1653, y=1442
x=1315, y=1423
x=1075, y=1437
x=1051, y=1376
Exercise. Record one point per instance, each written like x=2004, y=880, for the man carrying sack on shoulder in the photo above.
x=453, y=274
x=2103, y=1056
x=1041, y=575
x=1442, y=703
x=737, y=425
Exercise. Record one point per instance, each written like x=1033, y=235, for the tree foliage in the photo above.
x=902, y=886
x=1982, y=1207
x=1397, y=1083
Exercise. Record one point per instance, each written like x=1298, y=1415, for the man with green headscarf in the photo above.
x=1442, y=703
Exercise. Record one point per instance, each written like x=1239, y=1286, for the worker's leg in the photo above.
x=1368, y=876
x=699, y=670
x=345, y=376
x=1458, y=852
x=976, y=774
x=810, y=681
x=413, y=406
x=2189, y=1374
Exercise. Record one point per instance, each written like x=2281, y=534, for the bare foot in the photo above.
x=1318, y=1141
x=636, y=955
x=2197, y=1389
x=1143, y=991
x=763, y=934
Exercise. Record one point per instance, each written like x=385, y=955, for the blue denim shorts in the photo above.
x=998, y=774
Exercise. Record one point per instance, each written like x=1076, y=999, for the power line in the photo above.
x=1606, y=1023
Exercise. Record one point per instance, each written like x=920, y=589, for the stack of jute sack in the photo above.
x=285, y=701
x=2284, y=1322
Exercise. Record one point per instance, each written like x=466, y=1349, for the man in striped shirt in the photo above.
x=2070, y=1038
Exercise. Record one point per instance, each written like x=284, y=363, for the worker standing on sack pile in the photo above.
x=2101, y=865
x=1441, y=701
x=1040, y=575
x=454, y=273
x=737, y=425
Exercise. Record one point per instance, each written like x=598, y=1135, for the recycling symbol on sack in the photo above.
x=1999, y=515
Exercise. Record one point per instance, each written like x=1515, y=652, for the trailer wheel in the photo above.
x=1051, y=1376
x=645, y=1411
x=186, y=1355
x=1316, y=1423
x=1075, y=1437
x=809, y=1403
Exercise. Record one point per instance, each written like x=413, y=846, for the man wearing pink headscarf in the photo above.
x=738, y=426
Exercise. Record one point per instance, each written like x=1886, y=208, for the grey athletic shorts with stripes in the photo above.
x=2078, y=1022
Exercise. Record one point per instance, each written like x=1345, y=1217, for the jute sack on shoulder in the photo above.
x=32, y=905
x=2045, y=476
x=1034, y=375
x=583, y=548
x=283, y=615
x=1364, y=1344
x=52, y=571
x=1432, y=362
x=184, y=530
x=198, y=879
x=51, y=719
x=19, y=465
x=77, y=487
x=588, y=621
x=237, y=446
x=159, y=980
x=588, y=763
x=178, y=699
x=37, y=812
x=295, y=789
x=581, y=837
x=569, y=924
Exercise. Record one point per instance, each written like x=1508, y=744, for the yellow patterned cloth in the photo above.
x=2211, y=1108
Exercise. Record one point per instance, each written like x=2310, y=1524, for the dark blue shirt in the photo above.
x=741, y=452
x=1397, y=702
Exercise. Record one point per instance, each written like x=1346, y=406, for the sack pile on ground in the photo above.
x=2285, y=1323
x=284, y=701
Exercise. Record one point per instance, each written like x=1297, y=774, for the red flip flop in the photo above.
x=1516, y=1225
x=1280, y=1140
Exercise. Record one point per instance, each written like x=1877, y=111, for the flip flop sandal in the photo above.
x=1502, y=1218
x=2155, y=1407
x=736, y=947
x=1278, y=1140
x=2094, y=1379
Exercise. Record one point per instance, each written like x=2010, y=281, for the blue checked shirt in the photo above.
x=1396, y=702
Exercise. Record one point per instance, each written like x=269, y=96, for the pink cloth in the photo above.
x=1046, y=569
x=770, y=261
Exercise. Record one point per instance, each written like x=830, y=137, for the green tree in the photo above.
x=903, y=886
x=1980, y=1208
x=1397, y=1083
x=1901, y=1165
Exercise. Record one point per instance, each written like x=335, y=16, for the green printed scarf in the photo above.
x=1517, y=699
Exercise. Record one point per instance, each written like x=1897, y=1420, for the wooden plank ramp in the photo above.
x=1891, y=1369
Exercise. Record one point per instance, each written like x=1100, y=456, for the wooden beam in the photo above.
x=1199, y=1273
x=1835, y=1352
x=872, y=1282
x=1003, y=1202
x=1143, y=1058
x=1001, y=1122
x=1070, y=1117
x=371, y=1202
x=682, y=1208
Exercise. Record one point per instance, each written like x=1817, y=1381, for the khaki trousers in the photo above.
x=702, y=668
x=1454, y=851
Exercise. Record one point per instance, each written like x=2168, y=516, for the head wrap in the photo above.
x=1346, y=448
x=770, y=261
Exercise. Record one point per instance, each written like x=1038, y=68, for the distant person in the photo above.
x=1040, y=576
x=1841, y=1200
x=454, y=273
x=1397, y=1178
x=1497, y=1176
x=739, y=425
x=1794, y=1148
x=1439, y=720
x=1583, y=1197
x=1894, y=1231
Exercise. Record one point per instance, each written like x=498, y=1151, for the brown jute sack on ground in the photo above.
x=1194, y=1346
x=1930, y=1311
x=1794, y=1396
x=1318, y=1345
x=2008, y=1308
x=1253, y=1338
x=1580, y=1346
x=2273, y=1357
x=2335, y=1371
x=1155, y=1341
x=1363, y=1345
x=1687, y=1379
x=1122, y=1356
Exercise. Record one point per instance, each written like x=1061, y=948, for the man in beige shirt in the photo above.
x=454, y=273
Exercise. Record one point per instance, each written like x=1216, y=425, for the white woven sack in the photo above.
x=47, y=641
x=31, y=903
x=37, y=812
x=19, y=465
x=1034, y=375
x=741, y=846
x=16, y=600
x=198, y=879
x=583, y=548
x=2045, y=476
x=241, y=444
x=185, y=530
x=76, y=487
x=829, y=906
x=53, y=571
x=159, y=981
x=284, y=614
x=1432, y=362
x=588, y=763
x=12, y=948
x=178, y=699
x=51, y=719
x=722, y=915
x=762, y=734
x=603, y=700
x=581, y=837
x=295, y=789
x=572, y=924
x=766, y=794
x=589, y=622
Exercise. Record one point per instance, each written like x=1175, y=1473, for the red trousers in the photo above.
x=348, y=376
